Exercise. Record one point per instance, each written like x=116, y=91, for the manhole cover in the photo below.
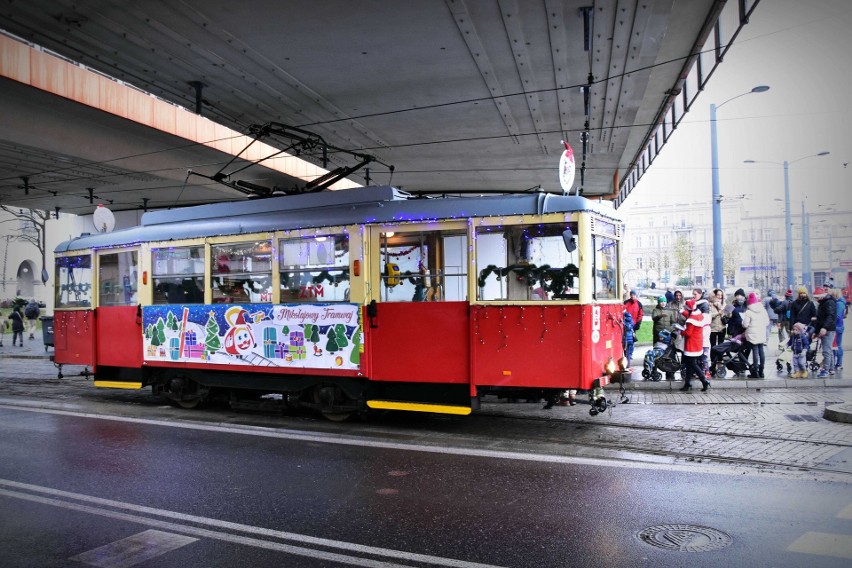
x=686, y=538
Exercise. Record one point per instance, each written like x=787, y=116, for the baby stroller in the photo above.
x=670, y=362
x=728, y=355
x=649, y=370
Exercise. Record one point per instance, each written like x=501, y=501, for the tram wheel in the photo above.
x=329, y=398
x=190, y=403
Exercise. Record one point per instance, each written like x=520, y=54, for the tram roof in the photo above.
x=378, y=204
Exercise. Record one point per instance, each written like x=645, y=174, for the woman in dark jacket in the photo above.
x=17, y=326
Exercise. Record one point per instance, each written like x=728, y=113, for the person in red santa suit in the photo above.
x=693, y=346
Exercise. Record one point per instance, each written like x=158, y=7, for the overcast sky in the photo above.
x=801, y=49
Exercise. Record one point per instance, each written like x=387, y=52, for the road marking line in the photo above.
x=823, y=544
x=88, y=501
x=134, y=549
x=846, y=513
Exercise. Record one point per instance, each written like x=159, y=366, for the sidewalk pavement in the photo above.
x=729, y=390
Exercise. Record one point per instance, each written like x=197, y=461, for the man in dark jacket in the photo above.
x=802, y=310
x=735, y=319
x=31, y=312
x=825, y=327
x=782, y=309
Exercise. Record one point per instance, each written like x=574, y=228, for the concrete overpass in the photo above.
x=113, y=102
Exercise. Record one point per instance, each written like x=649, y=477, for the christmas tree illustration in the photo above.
x=172, y=322
x=355, y=357
x=340, y=336
x=212, y=342
x=331, y=345
x=158, y=336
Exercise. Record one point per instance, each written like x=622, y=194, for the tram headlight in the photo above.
x=609, y=368
x=623, y=363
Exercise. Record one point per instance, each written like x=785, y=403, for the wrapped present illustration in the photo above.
x=281, y=350
x=190, y=338
x=298, y=352
x=174, y=348
x=270, y=334
x=193, y=351
x=151, y=351
x=297, y=338
x=269, y=342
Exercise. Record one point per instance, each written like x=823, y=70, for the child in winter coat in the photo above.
x=17, y=326
x=629, y=336
x=799, y=343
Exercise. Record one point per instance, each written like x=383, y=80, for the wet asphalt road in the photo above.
x=71, y=482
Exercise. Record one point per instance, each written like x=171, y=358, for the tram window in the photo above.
x=527, y=262
x=241, y=272
x=314, y=268
x=117, y=279
x=605, y=267
x=73, y=281
x=178, y=275
x=424, y=266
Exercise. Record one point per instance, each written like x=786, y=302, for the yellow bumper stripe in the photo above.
x=419, y=407
x=117, y=385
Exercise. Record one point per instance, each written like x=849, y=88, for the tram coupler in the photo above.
x=598, y=401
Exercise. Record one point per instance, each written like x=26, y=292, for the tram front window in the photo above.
x=74, y=281
x=606, y=267
x=527, y=262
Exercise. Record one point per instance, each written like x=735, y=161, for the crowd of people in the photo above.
x=749, y=319
x=20, y=321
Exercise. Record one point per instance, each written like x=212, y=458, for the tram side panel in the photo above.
x=420, y=342
x=602, y=339
x=119, y=337
x=75, y=334
x=543, y=346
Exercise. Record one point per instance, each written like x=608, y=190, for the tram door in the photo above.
x=420, y=330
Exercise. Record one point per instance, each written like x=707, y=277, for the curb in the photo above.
x=839, y=413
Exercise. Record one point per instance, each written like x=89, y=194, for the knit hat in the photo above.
x=739, y=292
x=788, y=293
x=752, y=299
x=819, y=292
x=803, y=290
x=633, y=293
x=662, y=299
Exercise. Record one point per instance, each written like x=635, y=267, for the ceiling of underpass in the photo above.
x=456, y=95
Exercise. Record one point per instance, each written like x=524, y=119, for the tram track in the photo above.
x=699, y=457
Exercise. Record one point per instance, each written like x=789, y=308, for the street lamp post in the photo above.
x=806, y=248
x=788, y=223
x=718, y=269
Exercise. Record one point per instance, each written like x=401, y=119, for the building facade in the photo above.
x=671, y=244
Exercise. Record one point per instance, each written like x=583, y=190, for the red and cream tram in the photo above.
x=348, y=300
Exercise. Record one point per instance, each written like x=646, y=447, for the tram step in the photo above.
x=118, y=385
x=418, y=407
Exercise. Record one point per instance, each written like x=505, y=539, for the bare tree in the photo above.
x=32, y=231
x=684, y=256
x=730, y=260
